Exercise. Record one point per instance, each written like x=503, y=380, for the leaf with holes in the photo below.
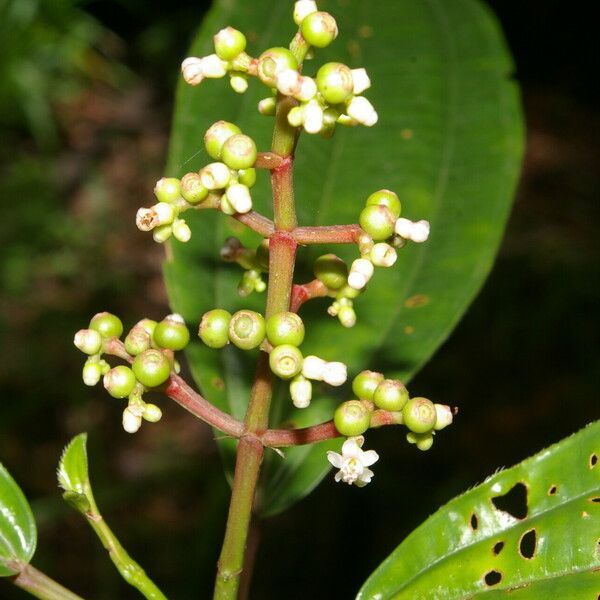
x=18, y=533
x=530, y=532
x=449, y=141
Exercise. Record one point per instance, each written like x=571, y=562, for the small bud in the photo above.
x=192, y=189
x=288, y=82
x=267, y=106
x=148, y=325
x=385, y=198
x=361, y=110
x=272, y=62
x=119, y=382
x=360, y=80
x=171, y=333
x=334, y=81
x=301, y=391
x=420, y=231
x=444, y=416
x=391, y=395
x=213, y=67
x=377, y=221
x=192, y=70
x=285, y=361
x=319, y=29
x=313, y=117
x=365, y=384
x=165, y=213
x=238, y=82
x=239, y=198
x=331, y=270
x=361, y=272
x=247, y=177
x=137, y=340
x=419, y=415
x=162, y=234
x=89, y=341
x=214, y=328
x=225, y=206
x=229, y=42
x=335, y=373
x=145, y=219
x=347, y=316
x=230, y=249
x=167, y=189
x=365, y=245
x=215, y=176
x=313, y=367
x=307, y=90
x=296, y=116
x=239, y=152
x=131, y=421
x=92, y=372
x=302, y=9
x=423, y=441
x=285, y=328
x=216, y=135
x=181, y=231
x=151, y=368
x=352, y=418
x=152, y=413
x=416, y=232
x=107, y=325
x=383, y=255
x=247, y=329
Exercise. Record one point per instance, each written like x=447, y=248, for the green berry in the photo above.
x=385, y=198
x=423, y=441
x=239, y=152
x=331, y=270
x=365, y=384
x=352, y=418
x=419, y=415
x=274, y=61
x=390, y=394
x=334, y=82
x=107, y=325
x=89, y=341
x=229, y=42
x=214, y=328
x=120, y=381
x=151, y=368
x=319, y=29
x=377, y=221
x=192, y=189
x=285, y=361
x=247, y=177
x=216, y=135
x=171, y=333
x=167, y=189
x=247, y=329
x=137, y=340
x=285, y=328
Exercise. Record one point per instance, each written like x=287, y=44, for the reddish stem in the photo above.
x=256, y=222
x=327, y=234
x=302, y=293
x=267, y=160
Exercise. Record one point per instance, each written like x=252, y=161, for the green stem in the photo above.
x=41, y=586
x=282, y=256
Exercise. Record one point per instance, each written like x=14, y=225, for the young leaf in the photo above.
x=73, y=476
x=531, y=531
x=18, y=533
x=449, y=141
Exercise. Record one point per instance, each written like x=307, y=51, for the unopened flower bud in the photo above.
x=383, y=255
x=216, y=135
x=247, y=329
x=119, y=382
x=272, y=62
x=331, y=270
x=319, y=29
x=192, y=189
x=89, y=341
x=288, y=82
x=213, y=67
x=361, y=272
x=335, y=83
x=137, y=340
x=296, y=116
x=214, y=328
x=301, y=391
x=229, y=42
x=423, y=441
x=414, y=231
x=285, y=361
x=239, y=152
x=352, y=418
x=444, y=416
x=347, y=316
x=365, y=245
x=247, y=177
x=107, y=325
x=391, y=395
x=192, y=70
x=335, y=373
x=92, y=372
x=238, y=82
x=378, y=221
x=365, y=384
x=162, y=234
x=360, y=80
x=313, y=367
x=239, y=197
x=313, y=117
x=171, y=333
x=419, y=415
x=385, y=198
x=360, y=109
x=303, y=8
x=267, y=106
x=152, y=413
x=229, y=250
x=131, y=421
x=215, y=176
x=181, y=231
x=151, y=368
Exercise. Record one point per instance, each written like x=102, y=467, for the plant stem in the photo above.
x=282, y=256
x=38, y=584
x=327, y=234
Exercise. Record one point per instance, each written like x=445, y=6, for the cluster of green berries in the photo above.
x=333, y=96
x=255, y=262
x=280, y=335
x=224, y=184
x=151, y=345
x=373, y=391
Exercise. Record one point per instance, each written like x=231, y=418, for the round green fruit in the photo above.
x=378, y=221
x=285, y=328
x=391, y=395
x=352, y=418
x=171, y=333
x=365, y=384
x=419, y=415
x=247, y=329
x=214, y=328
x=385, y=198
x=285, y=361
x=151, y=368
x=107, y=325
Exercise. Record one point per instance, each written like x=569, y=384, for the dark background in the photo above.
x=85, y=103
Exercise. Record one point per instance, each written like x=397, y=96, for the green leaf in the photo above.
x=530, y=532
x=18, y=533
x=449, y=141
x=73, y=475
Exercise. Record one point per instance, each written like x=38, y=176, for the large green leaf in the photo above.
x=449, y=141
x=530, y=532
x=18, y=533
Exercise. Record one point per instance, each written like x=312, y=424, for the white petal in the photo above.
x=335, y=459
x=351, y=448
x=338, y=476
x=369, y=457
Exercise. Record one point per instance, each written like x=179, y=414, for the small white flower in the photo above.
x=312, y=367
x=361, y=80
x=239, y=197
x=335, y=373
x=213, y=66
x=414, y=231
x=360, y=273
x=361, y=110
x=301, y=391
x=192, y=70
x=353, y=462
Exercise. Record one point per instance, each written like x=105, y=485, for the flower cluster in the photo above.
x=149, y=345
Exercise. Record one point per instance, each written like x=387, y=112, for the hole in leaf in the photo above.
x=595, y=499
x=552, y=490
x=514, y=502
x=498, y=547
x=593, y=460
x=493, y=578
x=474, y=522
x=527, y=544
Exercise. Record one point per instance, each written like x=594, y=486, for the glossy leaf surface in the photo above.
x=448, y=141
x=18, y=533
x=530, y=532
